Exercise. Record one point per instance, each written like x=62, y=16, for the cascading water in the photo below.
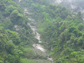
x=37, y=36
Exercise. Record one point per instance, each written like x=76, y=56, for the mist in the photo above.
x=74, y=5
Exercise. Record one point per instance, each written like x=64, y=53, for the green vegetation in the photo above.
x=28, y=61
x=15, y=34
x=62, y=32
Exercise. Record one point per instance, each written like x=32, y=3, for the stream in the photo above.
x=37, y=46
x=37, y=36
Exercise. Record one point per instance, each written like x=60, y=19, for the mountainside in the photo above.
x=35, y=31
x=61, y=30
x=15, y=34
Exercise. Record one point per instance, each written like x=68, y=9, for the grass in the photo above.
x=24, y=60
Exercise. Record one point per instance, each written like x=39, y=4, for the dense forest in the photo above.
x=62, y=31
x=15, y=35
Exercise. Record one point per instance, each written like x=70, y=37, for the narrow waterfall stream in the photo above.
x=37, y=36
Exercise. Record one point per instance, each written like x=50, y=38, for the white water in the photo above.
x=38, y=46
x=37, y=36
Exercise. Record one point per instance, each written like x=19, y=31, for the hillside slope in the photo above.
x=15, y=34
x=61, y=30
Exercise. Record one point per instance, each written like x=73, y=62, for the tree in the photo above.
x=80, y=27
x=2, y=7
x=79, y=15
x=14, y=37
x=13, y=59
x=9, y=46
x=16, y=17
x=9, y=9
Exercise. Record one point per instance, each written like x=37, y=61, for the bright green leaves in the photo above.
x=18, y=52
x=12, y=15
x=20, y=15
x=77, y=57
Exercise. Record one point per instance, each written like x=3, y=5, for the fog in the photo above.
x=75, y=5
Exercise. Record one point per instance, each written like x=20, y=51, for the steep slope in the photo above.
x=44, y=56
x=61, y=30
x=15, y=34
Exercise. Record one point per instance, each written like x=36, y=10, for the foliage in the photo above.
x=14, y=32
x=61, y=30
